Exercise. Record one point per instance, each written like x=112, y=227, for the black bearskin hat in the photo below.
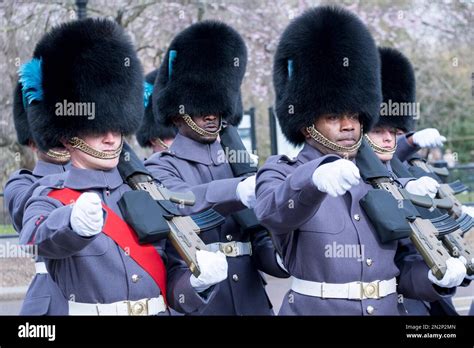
x=201, y=73
x=85, y=78
x=326, y=62
x=398, y=86
x=20, y=119
x=150, y=129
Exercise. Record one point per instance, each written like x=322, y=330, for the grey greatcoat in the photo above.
x=307, y=223
x=192, y=166
x=89, y=270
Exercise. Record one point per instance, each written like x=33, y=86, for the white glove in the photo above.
x=463, y=259
x=87, y=218
x=213, y=269
x=246, y=192
x=423, y=186
x=468, y=210
x=253, y=160
x=336, y=178
x=455, y=274
x=428, y=137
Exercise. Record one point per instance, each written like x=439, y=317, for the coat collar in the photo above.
x=43, y=168
x=388, y=165
x=309, y=153
x=191, y=150
x=83, y=179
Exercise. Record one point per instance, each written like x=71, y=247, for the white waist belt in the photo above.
x=40, y=268
x=232, y=249
x=147, y=306
x=351, y=291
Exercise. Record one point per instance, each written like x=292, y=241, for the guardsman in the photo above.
x=327, y=87
x=409, y=142
x=156, y=136
x=18, y=190
x=87, y=94
x=20, y=182
x=153, y=135
x=398, y=87
x=197, y=88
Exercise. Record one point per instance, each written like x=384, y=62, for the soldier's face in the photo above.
x=400, y=132
x=342, y=129
x=105, y=143
x=384, y=137
x=209, y=123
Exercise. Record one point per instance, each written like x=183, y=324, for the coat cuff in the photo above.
x=404, y=181
x=184, y=298
x=62, y=234
x=404, y=150
x=223, y=191
x=419, y=287
x=302, y=180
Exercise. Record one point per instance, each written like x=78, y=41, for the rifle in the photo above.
x=445, y=190
x=453, y=237
x=181, y=230
x=231, y=141
x=422, y=232
x=441, y=173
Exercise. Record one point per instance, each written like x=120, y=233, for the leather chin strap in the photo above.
x=189, y=121
x=81, y=145
x=379, y=149
x=321, y=139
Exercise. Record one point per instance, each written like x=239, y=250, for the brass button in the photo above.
x=235, y=277
x=369, y=261
x=228, y=249
x=357, y=217
x=370, y=310
x=135, y=278
x=229, y=237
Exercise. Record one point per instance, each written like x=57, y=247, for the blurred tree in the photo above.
x=436, y=36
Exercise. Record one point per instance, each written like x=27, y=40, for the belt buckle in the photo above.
x=230, y=249
x=138, y=307
x=371, y=290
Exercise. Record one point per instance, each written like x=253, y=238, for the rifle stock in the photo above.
x=446, y=192
x=426, y=201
